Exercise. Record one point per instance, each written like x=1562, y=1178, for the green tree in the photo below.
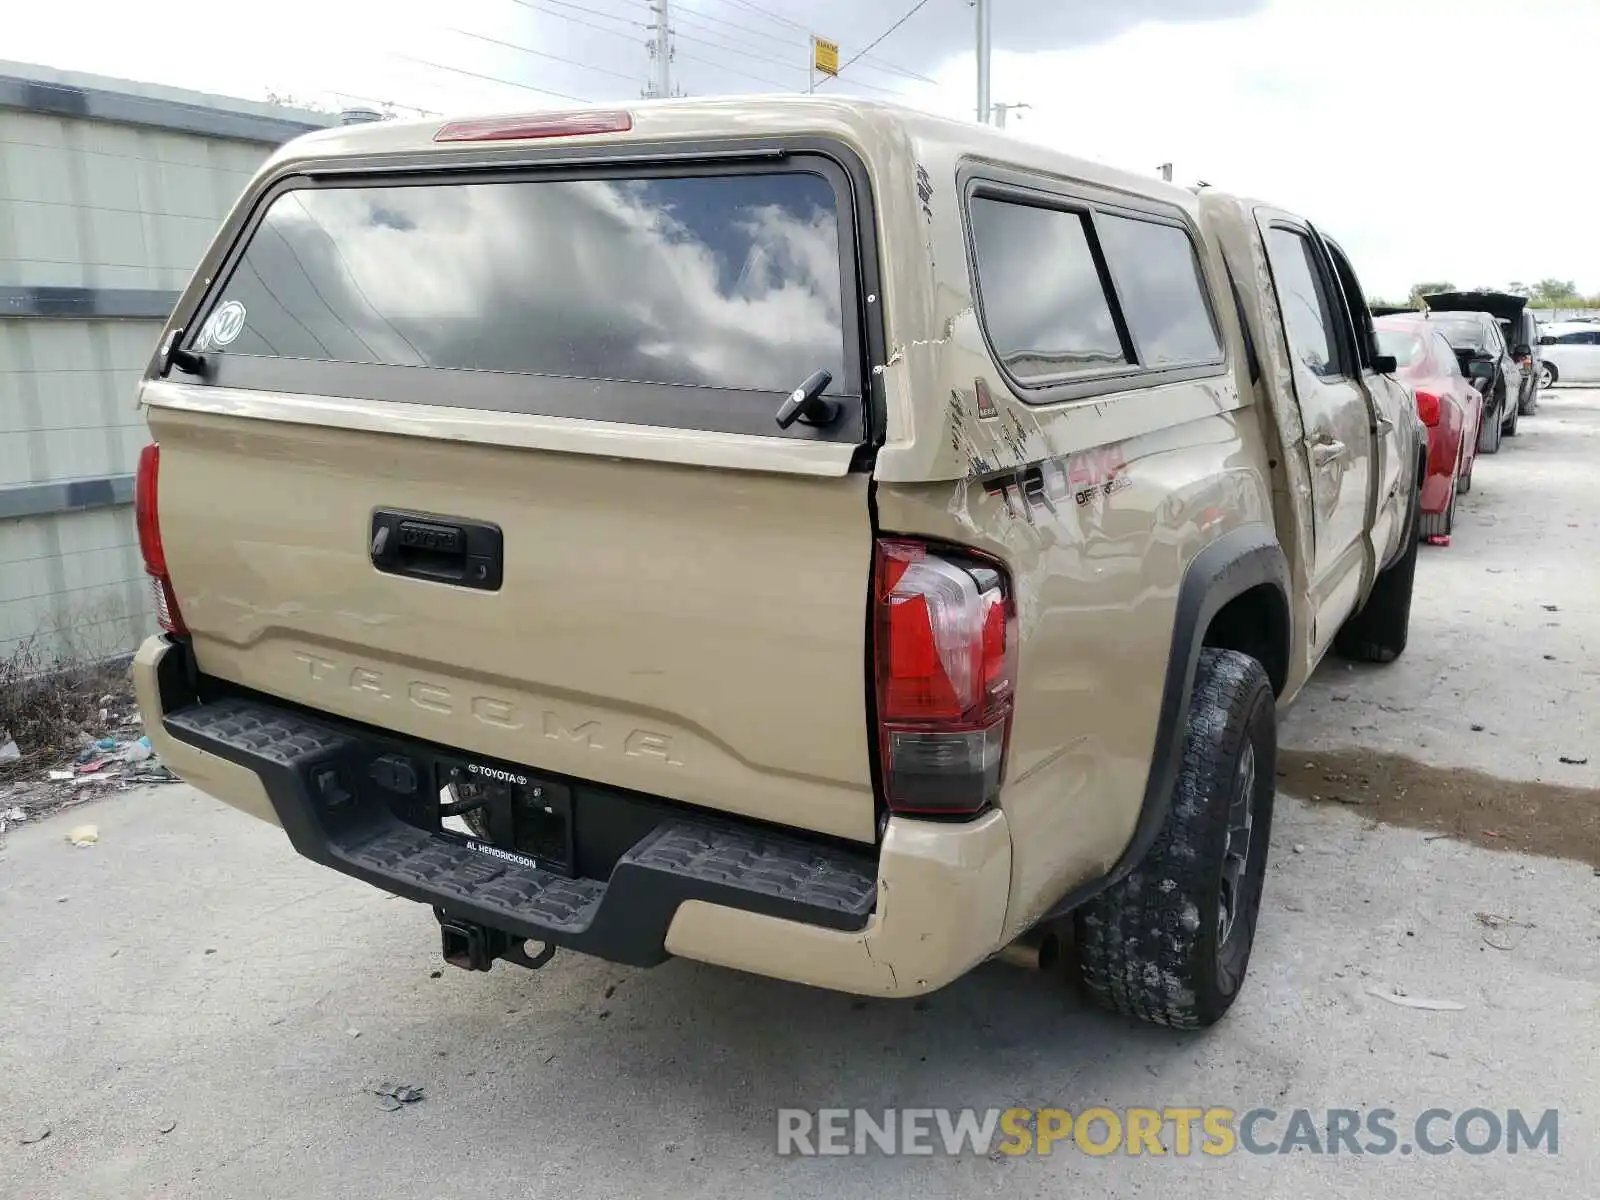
x=1556, y=293
x=1419, y=290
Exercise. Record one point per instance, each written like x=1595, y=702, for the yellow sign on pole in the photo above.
x=825, y=56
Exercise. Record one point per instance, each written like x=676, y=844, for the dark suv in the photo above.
x=1518, y=330
x=1481, y=347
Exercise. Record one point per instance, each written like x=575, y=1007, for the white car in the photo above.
x=1569, y=353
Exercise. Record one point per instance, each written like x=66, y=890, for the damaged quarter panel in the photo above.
x=1096, y=565
x=1097, y=504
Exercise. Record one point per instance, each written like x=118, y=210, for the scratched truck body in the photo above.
x=802, y=535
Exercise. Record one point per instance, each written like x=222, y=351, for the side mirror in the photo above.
x=1480, y=368
x=1548, y=339
x=1385, y=364
x=1521, y=350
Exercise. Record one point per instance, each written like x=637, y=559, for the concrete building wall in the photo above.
x=109, y=193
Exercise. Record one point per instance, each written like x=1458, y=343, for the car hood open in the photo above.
x=1502, y=305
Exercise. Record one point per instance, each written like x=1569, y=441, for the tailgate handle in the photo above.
x=438, y=549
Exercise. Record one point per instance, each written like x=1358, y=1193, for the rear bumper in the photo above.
x=928, y=908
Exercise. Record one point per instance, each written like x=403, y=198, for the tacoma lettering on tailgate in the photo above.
x=494, y=710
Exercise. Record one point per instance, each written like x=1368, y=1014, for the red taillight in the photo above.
x=945, y=646
x=535, y=125
x=1428, y=408
x=148, y=520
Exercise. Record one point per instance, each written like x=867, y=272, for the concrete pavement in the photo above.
x=191, y=971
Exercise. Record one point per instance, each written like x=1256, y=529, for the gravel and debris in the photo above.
x=392, y=1096
x=106, y=753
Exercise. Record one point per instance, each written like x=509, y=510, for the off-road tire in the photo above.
x=1530, y=407
x=1489, y=432
x=1152, y=945
x=1377, y=633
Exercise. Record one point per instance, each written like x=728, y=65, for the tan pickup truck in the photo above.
x=803, y=535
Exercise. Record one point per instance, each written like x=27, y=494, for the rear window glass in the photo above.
x=1043, y=302
x=711, y=281
x=1462, y=333
x=1158, y=282
x=1405, y=347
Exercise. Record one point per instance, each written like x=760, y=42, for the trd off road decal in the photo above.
x=1079, y=478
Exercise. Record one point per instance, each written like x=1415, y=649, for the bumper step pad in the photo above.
x=624, y=918
x=458, y=873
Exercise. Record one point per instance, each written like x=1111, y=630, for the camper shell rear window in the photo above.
x=685, y=296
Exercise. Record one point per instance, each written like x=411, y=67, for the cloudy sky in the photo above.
x=1431, y=137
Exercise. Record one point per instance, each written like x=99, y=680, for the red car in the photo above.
x=1449, y=405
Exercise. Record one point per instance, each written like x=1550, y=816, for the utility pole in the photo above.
x=660, y=85
x=1000, y=111
x=984, y=110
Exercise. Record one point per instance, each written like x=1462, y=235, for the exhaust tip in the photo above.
x=1049, y=952
x=1036, y=950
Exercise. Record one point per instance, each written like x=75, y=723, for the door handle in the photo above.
x=1323, y=453
x=438, y=549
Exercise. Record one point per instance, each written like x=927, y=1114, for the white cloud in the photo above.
x=589, y=278
x=1426, y=135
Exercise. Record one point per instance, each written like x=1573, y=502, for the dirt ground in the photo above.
x=1539, y=818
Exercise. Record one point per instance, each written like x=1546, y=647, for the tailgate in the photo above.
x=590, y=367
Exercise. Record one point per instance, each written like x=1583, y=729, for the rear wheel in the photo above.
x=1170, y=942
x=1489, y=431
x=1378, y=632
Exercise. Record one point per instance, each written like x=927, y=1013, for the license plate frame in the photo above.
x=531, y=817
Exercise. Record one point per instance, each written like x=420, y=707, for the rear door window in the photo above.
x=1303, y=297
x=689, y=300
